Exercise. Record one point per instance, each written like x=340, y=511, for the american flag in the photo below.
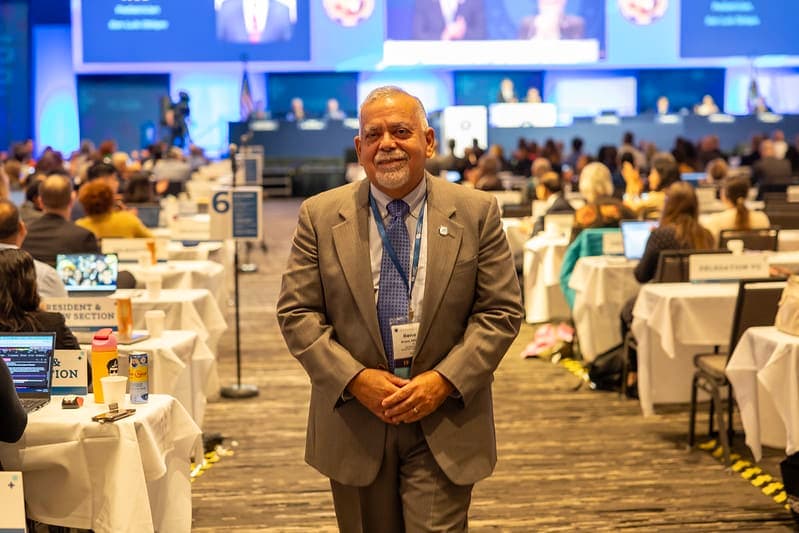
x=246, y=104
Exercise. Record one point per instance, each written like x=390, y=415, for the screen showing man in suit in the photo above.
x=400, y=299
x=253, y=21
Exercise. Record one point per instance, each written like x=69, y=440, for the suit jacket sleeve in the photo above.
x=301, y=313
x=495, y=316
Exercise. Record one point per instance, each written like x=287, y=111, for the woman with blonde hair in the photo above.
x=736, y=215
x=601, y=209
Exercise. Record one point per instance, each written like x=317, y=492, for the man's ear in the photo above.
x=22, y=232
x=430, y=136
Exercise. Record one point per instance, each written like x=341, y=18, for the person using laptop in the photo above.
x=20, y=304
x=678, y=229
x=12, y=235
x=54, y=232
x=550, y=191
x=13, y=418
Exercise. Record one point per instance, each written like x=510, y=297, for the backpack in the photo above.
x=605, y=372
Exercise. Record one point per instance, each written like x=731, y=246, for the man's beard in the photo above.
x=397, y=176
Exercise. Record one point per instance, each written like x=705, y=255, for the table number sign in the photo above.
x=719, y=267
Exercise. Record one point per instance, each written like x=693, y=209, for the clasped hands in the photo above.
x=394, y=399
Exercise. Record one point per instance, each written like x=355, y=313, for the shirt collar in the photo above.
x=413, y=198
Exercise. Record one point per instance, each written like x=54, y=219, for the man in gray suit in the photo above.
x=400, y=299
x=253, y=21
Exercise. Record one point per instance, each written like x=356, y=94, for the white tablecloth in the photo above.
x=672, y=322
x=184, y=275
x=202, y=251
x=543, y=298
x=517, y=231
x=128, y=476
x=189, y=309
x=788, y=240
x=602, y=285
x=181, y=365
x=764, y=372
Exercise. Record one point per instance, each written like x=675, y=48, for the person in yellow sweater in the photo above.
x=102, y=218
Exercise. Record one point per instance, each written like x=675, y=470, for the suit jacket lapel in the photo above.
x=351, y=239
x=442, y=252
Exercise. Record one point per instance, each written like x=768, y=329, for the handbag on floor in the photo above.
x=787, y=319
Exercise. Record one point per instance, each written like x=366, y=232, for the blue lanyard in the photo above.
x=417, y=244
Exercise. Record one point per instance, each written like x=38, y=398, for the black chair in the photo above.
x=756, y=305
x=754, y=239
x=672, y=268
x=517, y=210
x=673, y=264
x=126, y=280
x=785, y=218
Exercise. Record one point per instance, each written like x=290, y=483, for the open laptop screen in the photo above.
x=634, y=234
x=83, y=273
x=29, y=358
x=148, y=214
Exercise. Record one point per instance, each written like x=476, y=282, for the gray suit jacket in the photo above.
x=471, y=313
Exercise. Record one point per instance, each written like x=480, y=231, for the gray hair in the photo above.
x=387, y=91
x=595, y=181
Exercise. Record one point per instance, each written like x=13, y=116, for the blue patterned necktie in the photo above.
x=392, y=297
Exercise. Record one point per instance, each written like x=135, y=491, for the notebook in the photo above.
x=634, y=234
x=29, y=358
x=88, y=274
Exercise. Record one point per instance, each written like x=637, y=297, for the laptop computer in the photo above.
x=149, y=214
x=634, y=234
x=29, y=358
x=88, y=274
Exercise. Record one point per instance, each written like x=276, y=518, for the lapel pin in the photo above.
x=443, y=231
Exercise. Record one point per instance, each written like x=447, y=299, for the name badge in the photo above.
x=403, y=339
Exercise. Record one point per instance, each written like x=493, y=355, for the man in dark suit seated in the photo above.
x=550, y=190
x=254, y=21
x=54, y=232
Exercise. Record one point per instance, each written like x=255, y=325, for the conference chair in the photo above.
x=756, y=305
x=784, y=218
x=517, y=210
x=672, y=268
x=754, y=239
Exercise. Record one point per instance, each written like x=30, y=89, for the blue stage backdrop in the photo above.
x=683, y=87
x=315, y=89
x=119, y=107
x=482, y=87
x=15, y=108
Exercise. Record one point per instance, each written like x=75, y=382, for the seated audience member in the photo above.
x=333, y=111
x=297, y=112
x=102, y=219
x=663, y=173
x=54, y=232
x=601, y=209
x=444, y=20
x=552, y=22
x=550, y=190
x=13, y=418
x=12, y=234
x=20, y=302
x=29, y=210
x=678, y=229
x=173, y=170
x=736, y=215
x=716, y=171
x=709, y=150
x=197, y=158
x=139, y=189
x=706, y=107
x=488, y=168
x=769, y=168
x=780, y=145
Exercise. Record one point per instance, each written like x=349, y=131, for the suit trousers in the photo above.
x=410, y=494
